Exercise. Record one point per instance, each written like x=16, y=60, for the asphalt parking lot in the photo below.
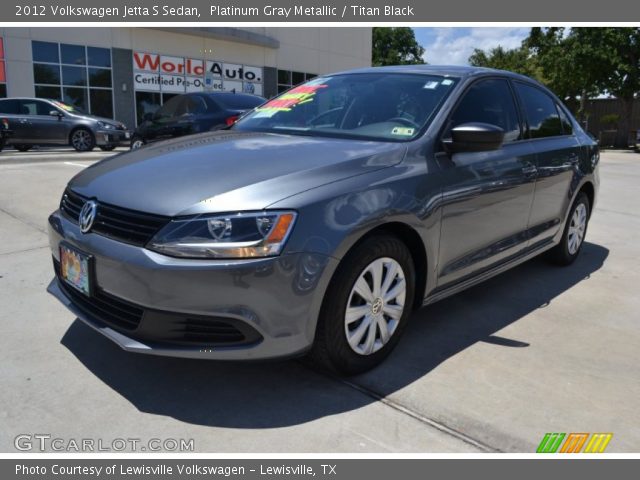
x=538, y=349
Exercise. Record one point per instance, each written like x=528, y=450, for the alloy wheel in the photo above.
x=81, y=140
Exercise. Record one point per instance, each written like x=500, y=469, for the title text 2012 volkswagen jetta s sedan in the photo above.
x=325, y=216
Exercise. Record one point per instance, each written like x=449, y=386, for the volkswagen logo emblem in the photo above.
x=87, y=216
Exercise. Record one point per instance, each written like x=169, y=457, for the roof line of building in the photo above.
x=227, y=34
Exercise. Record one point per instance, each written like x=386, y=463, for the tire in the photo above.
x=575, y=230
x=332, y=349
x=23, y=148
x=137, y=142
x=107, y=148
x=82, y=140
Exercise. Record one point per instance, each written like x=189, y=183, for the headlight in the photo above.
x=237, y=235
x=106, y=126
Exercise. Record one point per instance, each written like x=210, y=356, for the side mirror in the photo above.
x=55, y=113
x=474, y=137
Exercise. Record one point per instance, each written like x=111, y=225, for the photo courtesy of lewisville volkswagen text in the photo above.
x=319, y=240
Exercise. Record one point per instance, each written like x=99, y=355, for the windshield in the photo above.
x=66, y=107
x=379, y=106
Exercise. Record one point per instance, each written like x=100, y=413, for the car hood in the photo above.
x=228, y=171
x=94, y=118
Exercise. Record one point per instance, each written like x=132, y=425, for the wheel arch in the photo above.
x=588, y=189
x=412, y=239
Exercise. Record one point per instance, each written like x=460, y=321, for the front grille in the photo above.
x=107, y=308
x=119, y=223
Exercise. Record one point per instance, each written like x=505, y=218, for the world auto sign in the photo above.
x=163, y=73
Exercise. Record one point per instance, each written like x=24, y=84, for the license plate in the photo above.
x=75, y=269
x=127, y=135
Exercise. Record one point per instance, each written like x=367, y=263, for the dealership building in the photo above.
x=124, y=73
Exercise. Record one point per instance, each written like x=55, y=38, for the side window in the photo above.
x=9, y=106
x=540, y=110
x=567, y=126
x=169, y=109
x=34, y=107
x=489, y=101
x=196, y=105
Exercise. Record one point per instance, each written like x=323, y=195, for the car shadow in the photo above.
x=276, y=394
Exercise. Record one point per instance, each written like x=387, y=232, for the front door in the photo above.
x=487, y=195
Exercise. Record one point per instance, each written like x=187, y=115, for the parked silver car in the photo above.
x=40, y=121
x=323, y=218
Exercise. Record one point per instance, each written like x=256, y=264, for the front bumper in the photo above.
x=274, y=302
x=112, y=137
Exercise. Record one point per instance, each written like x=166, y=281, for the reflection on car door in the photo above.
x=557, y=157
x=487, y=196
x=165, y=120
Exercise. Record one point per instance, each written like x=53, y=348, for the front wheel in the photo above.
x=136, y=142
x=83, y=140
x=575, y=229
x=366, y=306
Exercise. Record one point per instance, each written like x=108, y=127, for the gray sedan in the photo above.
x=40, y=121
x=322, y=219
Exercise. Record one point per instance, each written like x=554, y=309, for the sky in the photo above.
x=454, y=45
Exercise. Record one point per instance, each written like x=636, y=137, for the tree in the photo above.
x=613, y=57
x=564, y=65
x=517, y=60
x=395, y=46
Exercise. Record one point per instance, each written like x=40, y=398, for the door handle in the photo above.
x=23, y=120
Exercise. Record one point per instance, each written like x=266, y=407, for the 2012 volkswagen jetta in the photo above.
x=320, y=220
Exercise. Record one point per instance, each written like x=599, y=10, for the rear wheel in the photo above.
x=366, y=307
x=575, y=230
x=23, y=148
x=82, y=140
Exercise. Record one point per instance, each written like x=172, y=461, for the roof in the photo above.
x=445, y=70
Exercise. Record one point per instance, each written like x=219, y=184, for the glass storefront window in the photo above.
x=99, y=57
x=43, y=91
x=45, y=52
x=101, y=102
x=47, y=74
x=75, y=74
x=73, y=54
x=100, y=77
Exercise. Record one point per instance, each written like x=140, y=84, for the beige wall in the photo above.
x=312, y=49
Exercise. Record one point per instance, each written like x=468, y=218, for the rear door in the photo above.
x=19, y=124
x=486, y=195
x=557, y=157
